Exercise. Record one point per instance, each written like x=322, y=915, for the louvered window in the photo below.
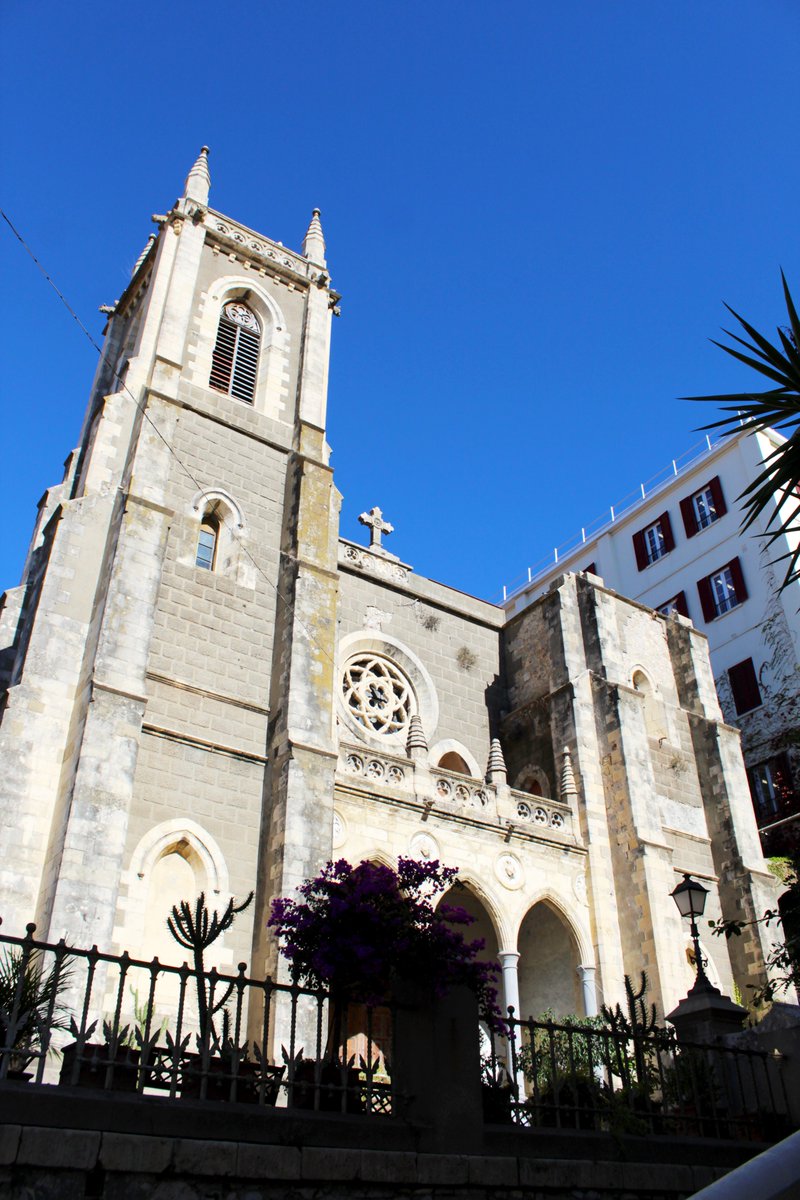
x=234, y=364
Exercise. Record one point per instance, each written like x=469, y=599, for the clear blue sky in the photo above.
x=533, y=210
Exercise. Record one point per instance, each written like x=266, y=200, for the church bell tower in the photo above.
x=168, y=656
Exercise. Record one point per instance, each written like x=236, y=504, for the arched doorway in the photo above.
x=548, y=962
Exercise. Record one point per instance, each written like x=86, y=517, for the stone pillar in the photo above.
x=436, y=1071
x=705, y=1015
x=509, y=960
x=586, y=975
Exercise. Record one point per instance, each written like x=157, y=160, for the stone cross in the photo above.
x=377, y=526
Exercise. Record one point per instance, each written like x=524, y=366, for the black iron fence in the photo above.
x=77, y=1018
x=84, y=1018
x=569, y=1076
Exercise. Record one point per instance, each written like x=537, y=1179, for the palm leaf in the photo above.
x=774, y=494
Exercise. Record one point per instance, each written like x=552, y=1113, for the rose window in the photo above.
x=377, y=695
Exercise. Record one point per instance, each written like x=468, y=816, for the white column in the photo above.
x=508, y=963
x=586, y=975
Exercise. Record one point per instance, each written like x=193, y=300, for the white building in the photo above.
x=678, y=546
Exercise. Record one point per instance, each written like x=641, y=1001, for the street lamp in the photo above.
x=690, y=897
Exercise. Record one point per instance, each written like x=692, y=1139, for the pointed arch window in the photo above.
x=234, y=363
x=207, y=542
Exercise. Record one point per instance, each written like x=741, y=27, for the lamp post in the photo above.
x=690, y=897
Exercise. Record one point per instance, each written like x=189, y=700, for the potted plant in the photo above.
x=366, y=934
x=30, y=1006
x=559, y=1064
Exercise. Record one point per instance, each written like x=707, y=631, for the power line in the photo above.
x=123, y=385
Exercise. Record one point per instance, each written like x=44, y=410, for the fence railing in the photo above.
x=592, y=1078
x=84, y=1018
x=75, y=1018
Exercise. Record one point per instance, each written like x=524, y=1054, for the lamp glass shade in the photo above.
x=690, y=897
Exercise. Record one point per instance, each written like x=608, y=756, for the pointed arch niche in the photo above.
x=217, y=515
x=174, y=861
x=549, y=958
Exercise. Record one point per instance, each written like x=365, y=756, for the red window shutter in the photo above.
x=689, y=518
x=666, y=529
x=680, y=604
x=720, y=507
x=744, y=685
x=706, y=598
x=735, y=568
x=591, y=569
x=640, y=550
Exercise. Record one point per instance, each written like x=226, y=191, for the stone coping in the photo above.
x=33, y=1150
x=121, y=1132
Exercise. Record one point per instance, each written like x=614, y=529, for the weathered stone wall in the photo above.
x=122, y=1166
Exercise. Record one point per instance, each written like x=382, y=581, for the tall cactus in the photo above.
x=639, y=1024
x=196, y=930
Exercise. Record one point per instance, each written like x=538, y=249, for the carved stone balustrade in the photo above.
x=359, y=763
x=452, y=790
x=538, y=814
x=453, y=795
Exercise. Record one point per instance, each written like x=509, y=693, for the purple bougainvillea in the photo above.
x=362, y=930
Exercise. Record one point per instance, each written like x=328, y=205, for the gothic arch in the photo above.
x=654, y=712
x=534, y=782
x=576, y=929
x=549, y=956
x=472, y=884
x=271, y=392
x=230, y=559
x=153, y=884
x=451, y=746
x=158, y=840
x=208, y=497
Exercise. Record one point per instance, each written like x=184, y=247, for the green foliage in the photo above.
x=561, y=1050
x=30, y=1003
x=779, y=408
x=783, y=960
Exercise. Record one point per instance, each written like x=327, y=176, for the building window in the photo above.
x=703, y=508
x=744, y=686
x=722, y=591
x=207, y=543
x=676, y=605
x=234, y=363
x=653, y=542
x=771, y=788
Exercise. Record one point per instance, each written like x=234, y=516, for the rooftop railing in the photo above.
x=614, y=513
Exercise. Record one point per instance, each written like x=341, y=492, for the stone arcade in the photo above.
x=205, y=687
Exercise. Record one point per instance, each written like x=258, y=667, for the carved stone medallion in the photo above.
x=508, y=870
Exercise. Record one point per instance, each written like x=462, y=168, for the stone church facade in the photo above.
x=206, y=688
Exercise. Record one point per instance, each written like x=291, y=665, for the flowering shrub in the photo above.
x=361, y=930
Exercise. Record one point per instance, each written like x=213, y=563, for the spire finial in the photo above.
x=198, y=181
x=496, y=767
x=568, y=786
x=416, y=737
x=314, y=241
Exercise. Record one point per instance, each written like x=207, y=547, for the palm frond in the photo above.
x=774, y=494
